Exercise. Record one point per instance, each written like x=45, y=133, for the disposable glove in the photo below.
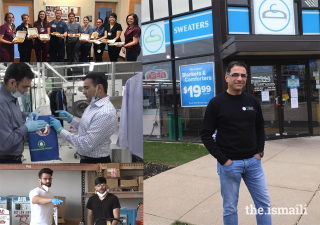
x=56, y=201
x=34, y=115
x=35, y=125
x=63, y=113
x=56, y=124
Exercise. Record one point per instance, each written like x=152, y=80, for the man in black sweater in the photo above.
x=239, y=145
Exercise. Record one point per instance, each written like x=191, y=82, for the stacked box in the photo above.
x=3, y=202
x=4, y=216
x=20, y=209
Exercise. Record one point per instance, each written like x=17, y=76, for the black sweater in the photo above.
x=240, y=127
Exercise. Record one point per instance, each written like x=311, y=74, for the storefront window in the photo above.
x=193, y=34
x=158, y=103
x=160, y=9
x=309, y=3
x=180, y=6
x=238, y=2
x=155, y=41
x=315, y=93
x=200, y=4
x=195, y=93
x=145, y=11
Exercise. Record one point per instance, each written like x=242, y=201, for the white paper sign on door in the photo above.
x=265, y=96
x=294, y=92
x=294, y=103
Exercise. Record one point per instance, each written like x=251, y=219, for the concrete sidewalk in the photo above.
x=191, y=192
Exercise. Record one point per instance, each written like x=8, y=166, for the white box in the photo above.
x=44, y=36
x=20, y=209
x=3, y=202
x=32, y=31
x=84, y=37
x=20, y=34
x=4, y=216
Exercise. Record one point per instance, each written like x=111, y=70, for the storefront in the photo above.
x=187, y=42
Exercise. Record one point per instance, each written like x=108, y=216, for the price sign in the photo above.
x=197, y=84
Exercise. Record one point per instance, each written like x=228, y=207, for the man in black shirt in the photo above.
x=239, y=145
x=103, y=204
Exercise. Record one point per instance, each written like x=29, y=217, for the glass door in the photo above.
x=264, y=87
x=282, y=92
x=294, y=100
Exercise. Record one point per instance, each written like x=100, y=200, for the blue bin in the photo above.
x=43, y=144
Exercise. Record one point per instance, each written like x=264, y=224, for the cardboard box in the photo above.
x=111, y=172
x=62, y=207
x=73, y=221
x=112, y=183
x=128, y=183
x=91, y=176
x=140, y=182
x=113, y=165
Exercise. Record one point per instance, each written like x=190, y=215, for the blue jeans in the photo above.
x=132, y=55
x=252, y=173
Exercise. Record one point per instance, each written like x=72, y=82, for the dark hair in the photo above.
x=45, y=170
x=23, y=15
x=71, y=14
x=113, y=15
x=100, y=180
x=87, y=18
x=18, y=71
x=13, y=27
x=45, y=22
x=135, y=18
x=100, y=19
x=98, y=78
x=58, y=10
x=235, y=63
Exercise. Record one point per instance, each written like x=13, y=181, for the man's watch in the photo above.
x=261, y=154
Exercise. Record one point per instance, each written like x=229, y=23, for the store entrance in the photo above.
x=282, y=91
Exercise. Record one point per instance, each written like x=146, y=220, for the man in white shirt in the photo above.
x=42, y=201
x=97, y=125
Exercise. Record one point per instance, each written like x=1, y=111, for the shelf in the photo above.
x=126, y=166
x=53, y=166
x=127, y=194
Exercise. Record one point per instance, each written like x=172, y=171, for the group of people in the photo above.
x=101, y=205
x=57, y=45
x=97, y=125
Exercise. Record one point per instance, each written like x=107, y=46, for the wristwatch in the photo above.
x=261, y=154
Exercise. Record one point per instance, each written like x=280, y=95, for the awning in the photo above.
x=270, y=45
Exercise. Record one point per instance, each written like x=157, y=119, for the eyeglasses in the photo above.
x=100, y=185
x=236, y=75
x=49, y=179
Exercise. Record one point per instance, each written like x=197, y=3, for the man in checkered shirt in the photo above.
x=97, y=125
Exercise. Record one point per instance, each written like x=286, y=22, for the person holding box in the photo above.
x=41, y=47
x=85, y=46
x=25, y=48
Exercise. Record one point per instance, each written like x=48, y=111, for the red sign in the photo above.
x=156, y=74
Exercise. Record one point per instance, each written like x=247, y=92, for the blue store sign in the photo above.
x=197, y=84
x=293, y=82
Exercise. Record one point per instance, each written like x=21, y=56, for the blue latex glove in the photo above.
x=34, y=115
x=55, y=124
x=56, y=201
x=63, y=113
x=35, y=125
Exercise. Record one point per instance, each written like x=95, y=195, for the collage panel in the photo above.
x=70, y=31
x=81, y=121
